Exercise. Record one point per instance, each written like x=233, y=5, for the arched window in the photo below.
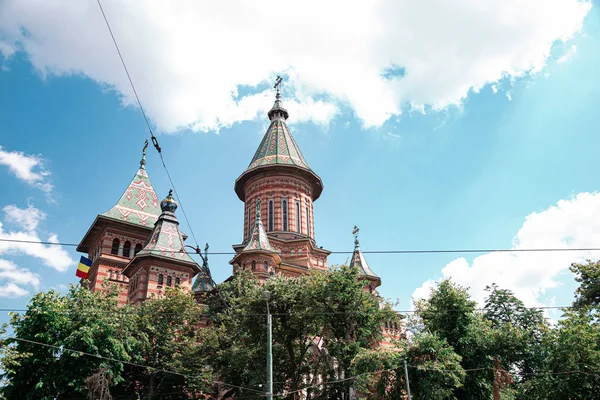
x=266, y=265
x=253, y=265
x=271, y=216
x=116, y=275
x=177, y=281
x=115, y=247
x=249, y=221
x=160, y=279
x=110, y=274
x=298, y=223
x=307, y=221
x=169, y=280
x=284, y=214
x=138, y=247
x=126, y=248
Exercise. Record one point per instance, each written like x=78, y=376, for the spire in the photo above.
x=166, y=240
x=203, y=282
x=138, y=204
x=277, y=111
x=358, y=259
x=258, y=238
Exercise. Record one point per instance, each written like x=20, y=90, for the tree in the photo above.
x=588, y=276
x=42, y=359
x=434, y=370
x=320, y=322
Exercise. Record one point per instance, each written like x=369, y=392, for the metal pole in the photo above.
x=269, y=354
x=407, y=383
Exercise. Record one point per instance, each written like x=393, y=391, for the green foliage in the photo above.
x=309, y=313
x=588, y=277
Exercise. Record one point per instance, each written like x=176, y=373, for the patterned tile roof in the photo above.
x=166, y=240
x=204, y=282
x=358, y=259
x=278, y=145
x=139, y=204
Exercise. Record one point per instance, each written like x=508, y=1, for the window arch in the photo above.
x=137, y=249
x=160, y=279
x=271, y=216
x=115, y=247
x=307, y=221
x=177, y=281
x=169, y=280
x=266, y=266
x=116, y=275
x=298, y=223
x=126, y=248
x=284, y=214
x=110, y=273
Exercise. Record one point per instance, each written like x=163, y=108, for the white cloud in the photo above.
x=12, y=290
x=188, y=58
x=28, y=168
x=17, y=242
x=27, y=218
x=11, y=272
x=573, y=223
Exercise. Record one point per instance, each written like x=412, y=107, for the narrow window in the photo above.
x=169, y=280
x=110, y=274
x=177, y=281
x=284, y=214
x=253, y=265
x=115, y=247
x=116, y=275
x=126, y=248
x=138, y=247
x=160, y=279
x=266, y=265
x=271, y=215
x=249, y=226
x=307, y=221
x=298, y=226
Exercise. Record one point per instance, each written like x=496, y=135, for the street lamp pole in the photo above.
x=266, y=297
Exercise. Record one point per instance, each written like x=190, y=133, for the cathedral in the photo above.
x=138, y=243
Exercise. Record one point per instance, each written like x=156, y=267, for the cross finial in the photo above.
x=143, y=161
x=258, y=202
x=277, y=83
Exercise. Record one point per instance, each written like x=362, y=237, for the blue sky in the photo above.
x=416, y=163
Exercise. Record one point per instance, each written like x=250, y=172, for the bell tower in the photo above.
x=279, y=190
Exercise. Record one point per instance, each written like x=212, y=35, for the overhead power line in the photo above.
x=407, y=251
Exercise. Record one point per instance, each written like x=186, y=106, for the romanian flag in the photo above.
x=83, y=267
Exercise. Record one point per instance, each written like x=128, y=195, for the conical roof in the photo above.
x=166, y=240
x=279, y=149
x=358, y=259
x=139, y=204
x=258, y=239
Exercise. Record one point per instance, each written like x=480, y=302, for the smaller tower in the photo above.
x=117, y=235
x=258, y=255
x=204, y=283
x=163, y=262
x=372, y=281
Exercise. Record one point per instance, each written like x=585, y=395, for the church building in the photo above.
x=138, y=243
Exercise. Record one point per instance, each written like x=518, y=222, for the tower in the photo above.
x=278, y=190
x=118, y=234
x=366, y=274
x=163, y=262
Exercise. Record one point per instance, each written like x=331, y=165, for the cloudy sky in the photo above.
x=433, y=124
